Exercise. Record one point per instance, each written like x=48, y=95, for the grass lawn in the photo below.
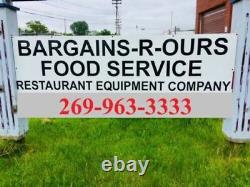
x=69, y=152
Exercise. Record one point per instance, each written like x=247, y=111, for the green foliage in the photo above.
x=69, y=152
x=104, y=32
x=36, y=27
x=79, y=28
x=67, y=34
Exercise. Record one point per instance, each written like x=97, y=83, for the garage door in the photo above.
x=213, y=21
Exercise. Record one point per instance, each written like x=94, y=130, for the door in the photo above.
x=213, y=21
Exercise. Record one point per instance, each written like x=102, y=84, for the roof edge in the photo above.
x=5, y=5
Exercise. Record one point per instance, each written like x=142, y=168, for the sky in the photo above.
x=137, y=16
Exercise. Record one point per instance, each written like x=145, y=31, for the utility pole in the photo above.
x=171, y=20
x=117, y=18
x=65, y=26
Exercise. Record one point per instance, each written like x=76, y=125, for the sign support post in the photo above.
x=237, y=129
x=11, y=127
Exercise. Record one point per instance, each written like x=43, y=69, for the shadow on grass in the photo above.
x=9, y=148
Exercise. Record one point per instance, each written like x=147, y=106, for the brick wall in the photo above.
x=203, y=6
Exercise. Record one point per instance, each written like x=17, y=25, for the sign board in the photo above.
x=121, y=77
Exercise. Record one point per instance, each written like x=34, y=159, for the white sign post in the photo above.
x=11, y=127
x=237, y=128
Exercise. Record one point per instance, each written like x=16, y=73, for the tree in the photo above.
x=36, y=27
x=79, y=28
x=104, y=32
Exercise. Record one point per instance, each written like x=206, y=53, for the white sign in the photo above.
x=158, y=76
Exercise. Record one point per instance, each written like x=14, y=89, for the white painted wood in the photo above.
x=10, y=126
x=237, y=128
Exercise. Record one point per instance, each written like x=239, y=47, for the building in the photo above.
x=213, y=16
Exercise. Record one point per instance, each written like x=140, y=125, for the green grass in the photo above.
x=69, y=152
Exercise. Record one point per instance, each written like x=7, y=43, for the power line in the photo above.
x=72, y=11
x=76, y=12
x=48, y=16
x=33, y=11
x=80, y=5
x=59, y=17
x=57, y=6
